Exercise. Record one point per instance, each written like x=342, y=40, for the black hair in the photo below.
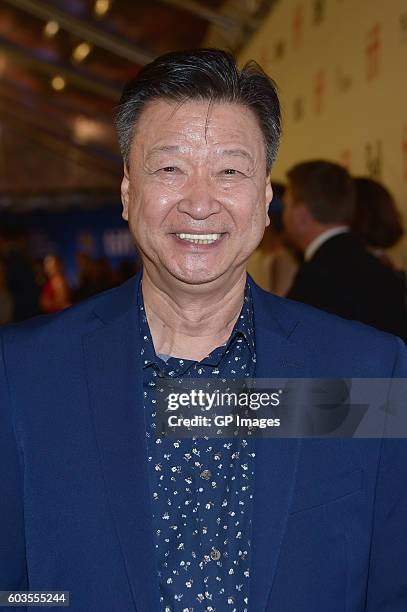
x=376, y=220
x=201, y=74
x=326, y=188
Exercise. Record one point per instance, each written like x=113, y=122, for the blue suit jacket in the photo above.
x=330, y=516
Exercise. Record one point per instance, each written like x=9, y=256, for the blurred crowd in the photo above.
x=32, y=286
x=326, y=245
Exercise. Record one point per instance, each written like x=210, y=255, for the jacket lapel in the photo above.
x=276, y=459
x=116, y=402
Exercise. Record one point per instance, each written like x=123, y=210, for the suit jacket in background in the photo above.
x=343, y=278
x=330, y=515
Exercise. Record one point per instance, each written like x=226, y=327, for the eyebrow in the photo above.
x=237, y=153
x=166, y=149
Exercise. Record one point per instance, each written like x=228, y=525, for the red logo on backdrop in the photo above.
x=345, y=159
x=404, y=153
x=298, y=21
x=319, y=91
x=373, y=47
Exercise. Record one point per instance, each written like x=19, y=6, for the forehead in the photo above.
x=198, y=123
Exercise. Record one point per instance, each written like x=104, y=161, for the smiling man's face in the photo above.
x=196, y=191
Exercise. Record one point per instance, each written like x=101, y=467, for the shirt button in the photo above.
x=215, y=554
x=206, y=474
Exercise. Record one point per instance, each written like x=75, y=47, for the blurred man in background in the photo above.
x=338, y=275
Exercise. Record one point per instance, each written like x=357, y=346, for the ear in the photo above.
x=125, y=194
x=269, y=197
x=303, y=215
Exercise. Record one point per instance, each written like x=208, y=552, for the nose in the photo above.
x=199, y=200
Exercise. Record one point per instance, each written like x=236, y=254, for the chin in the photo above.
x=195, y=276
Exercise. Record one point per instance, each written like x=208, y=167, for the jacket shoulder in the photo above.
x=64, y=326
x=335, y=340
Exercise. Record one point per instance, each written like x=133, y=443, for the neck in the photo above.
x=317, y=230
x=189, y=323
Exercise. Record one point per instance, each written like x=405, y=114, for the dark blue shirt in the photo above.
x=202, y=489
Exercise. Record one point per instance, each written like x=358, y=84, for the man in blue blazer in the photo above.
x=92, y=502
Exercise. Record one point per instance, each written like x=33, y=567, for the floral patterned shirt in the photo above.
x=202, y=488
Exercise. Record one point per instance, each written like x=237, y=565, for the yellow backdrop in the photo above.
x=341, y=69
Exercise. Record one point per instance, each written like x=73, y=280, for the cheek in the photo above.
x=150, y=205
x=247, y=204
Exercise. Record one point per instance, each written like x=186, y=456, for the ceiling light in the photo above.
x=58, y=83
x=51, y=28
x=101, y=7
x=88, y=130
x=81, y=52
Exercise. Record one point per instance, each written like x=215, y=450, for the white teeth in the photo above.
x=200, y=238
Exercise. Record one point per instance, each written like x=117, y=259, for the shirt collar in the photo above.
x=319, y=240
x=244, y=327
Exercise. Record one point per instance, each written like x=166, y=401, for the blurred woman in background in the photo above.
x=274, y=263
x=376, y=221
x=56, y=293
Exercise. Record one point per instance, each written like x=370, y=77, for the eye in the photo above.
x=169, y=169
x=230, y=171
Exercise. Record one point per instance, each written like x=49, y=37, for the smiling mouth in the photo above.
x=199, y=238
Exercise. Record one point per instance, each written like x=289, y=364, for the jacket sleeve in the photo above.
x=387, y=585
x=13, y=566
